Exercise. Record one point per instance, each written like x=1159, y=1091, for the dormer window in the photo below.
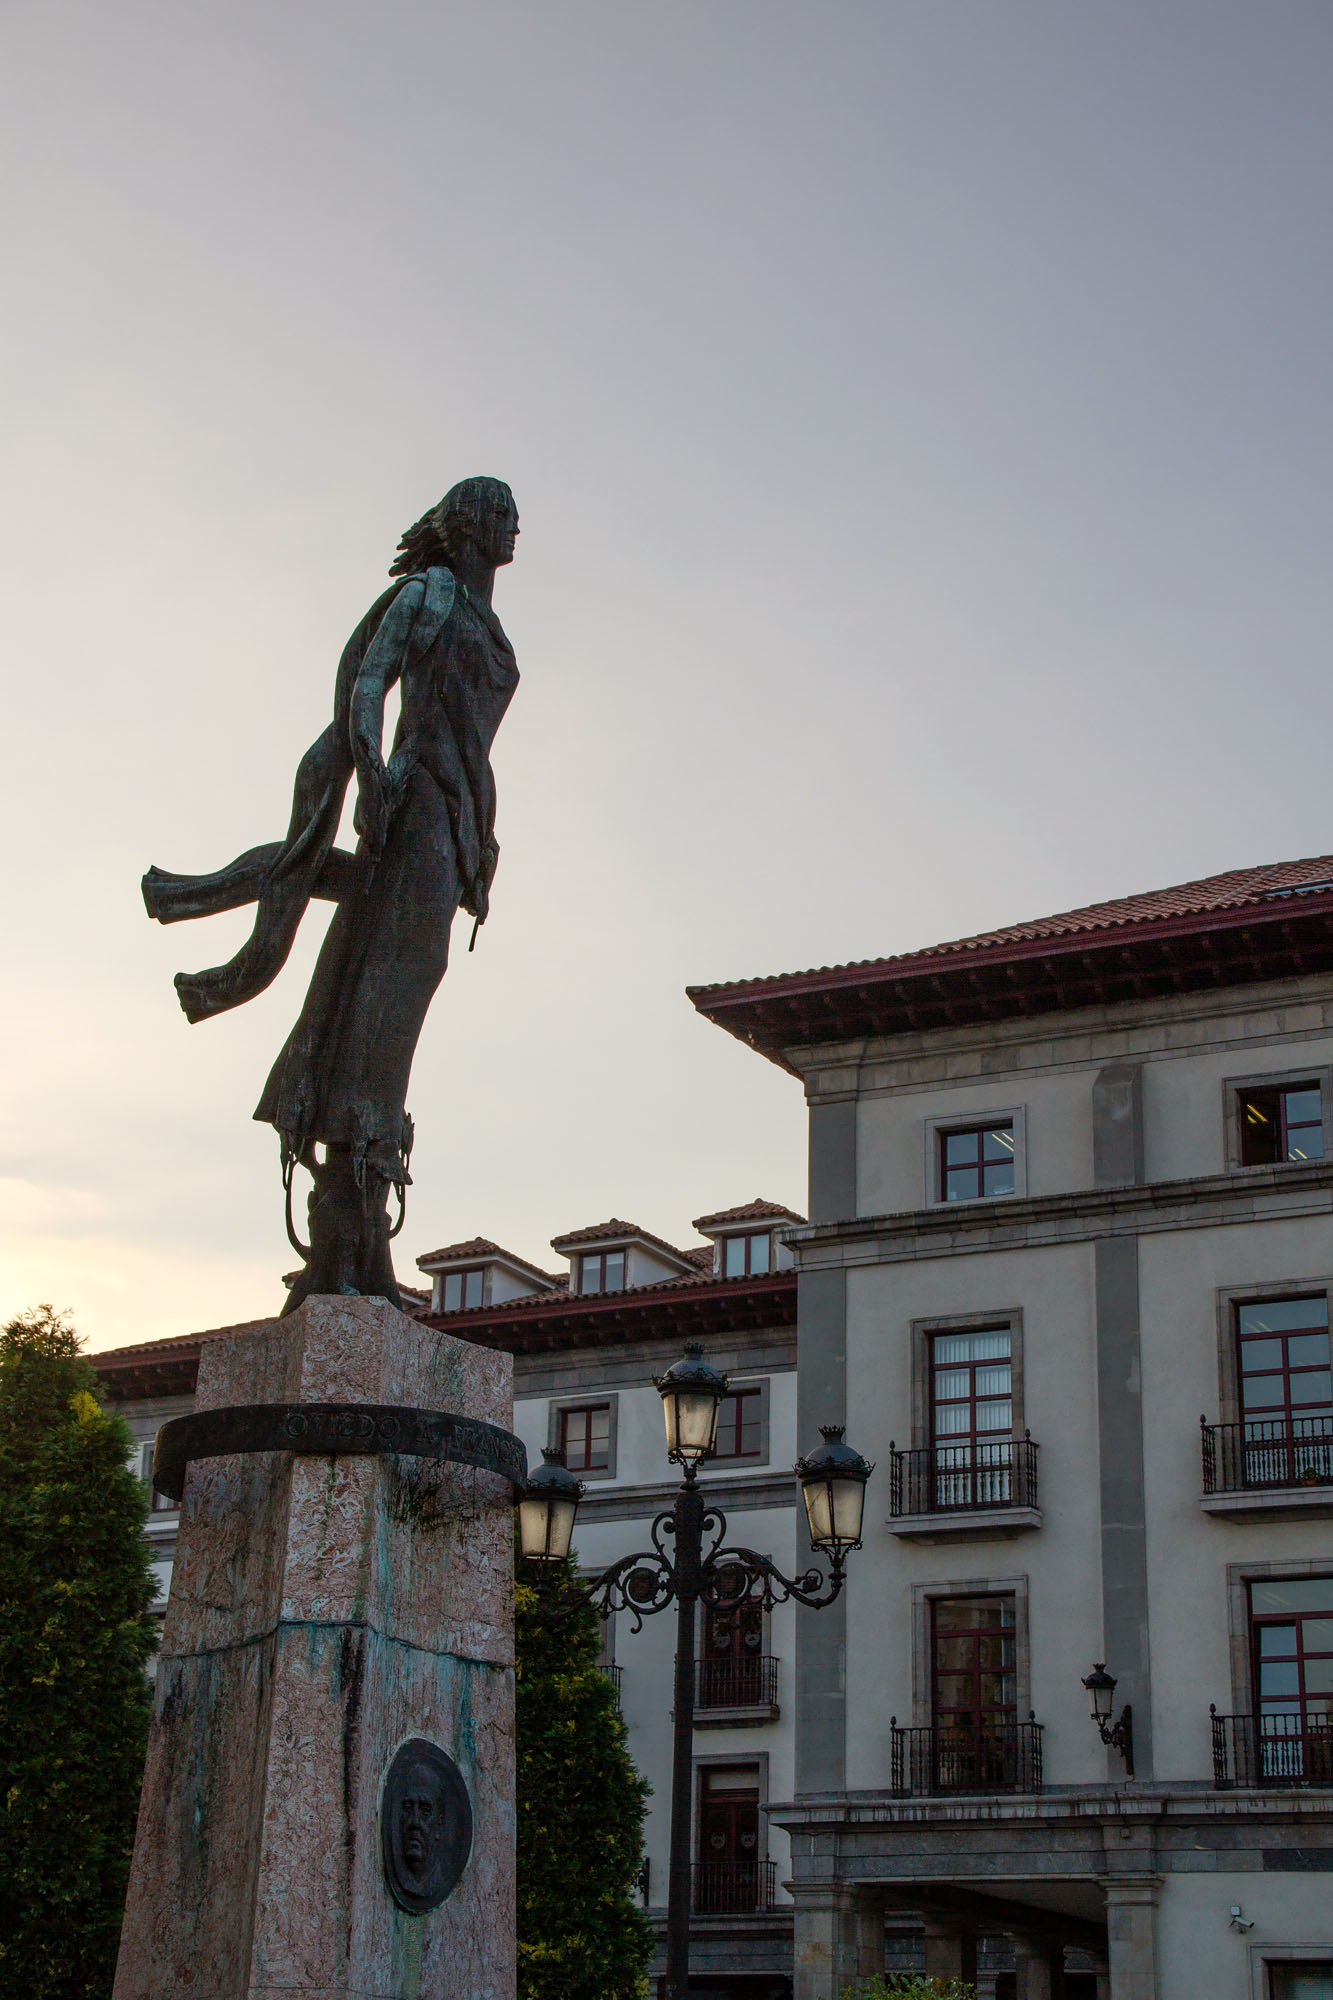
x=749, y=1256
x=461, y=1290
x=602, y=1271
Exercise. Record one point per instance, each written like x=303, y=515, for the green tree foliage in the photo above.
x=580, y=1813
x=75, y=1637
x=909, y=1986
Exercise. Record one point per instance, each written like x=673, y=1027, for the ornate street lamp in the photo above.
x=689, y=1564
x=1117, y=1735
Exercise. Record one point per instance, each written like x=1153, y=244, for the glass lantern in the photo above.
x=691, y=1395
x=833, y=1486
x=1101, y=1686
x=546, y=1509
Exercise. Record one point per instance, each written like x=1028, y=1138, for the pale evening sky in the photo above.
x=920, y=417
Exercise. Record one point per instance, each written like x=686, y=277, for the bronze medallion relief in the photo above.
x=425, y=1826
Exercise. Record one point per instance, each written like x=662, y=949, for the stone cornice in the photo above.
x=1205, y=1201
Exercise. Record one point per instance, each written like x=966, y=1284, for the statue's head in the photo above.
x=477, y=513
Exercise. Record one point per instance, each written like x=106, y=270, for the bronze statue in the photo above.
x=426, y=827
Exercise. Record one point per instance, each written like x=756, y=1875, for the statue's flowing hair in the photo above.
x=438, y=537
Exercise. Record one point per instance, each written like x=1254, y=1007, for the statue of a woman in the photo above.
x=426, y=826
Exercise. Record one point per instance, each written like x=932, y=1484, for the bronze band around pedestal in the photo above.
x=321, y=1430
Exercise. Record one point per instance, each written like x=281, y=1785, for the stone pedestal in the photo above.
x=323, y=1612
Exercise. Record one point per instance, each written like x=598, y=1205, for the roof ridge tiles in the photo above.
x=1234, y=888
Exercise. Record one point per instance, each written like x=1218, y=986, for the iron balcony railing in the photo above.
x=614, y=1674
x=1267, y=1452
x=999, y=1757
x=748, y=1682
x=1271, y=1750
x=733, y=1888
x=957, y=1478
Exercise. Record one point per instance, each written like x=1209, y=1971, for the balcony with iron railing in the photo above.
x=739, y=1689
x=733, y=1888
x=937, y=1486
x=1271, y=1750
x=1267, y=1465
x=614, y=1674
x=930, y=1763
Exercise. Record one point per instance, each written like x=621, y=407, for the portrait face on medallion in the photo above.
x=426, y=1825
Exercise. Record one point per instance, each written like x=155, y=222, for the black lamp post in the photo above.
x=1117, y=1735
x=688, y=1564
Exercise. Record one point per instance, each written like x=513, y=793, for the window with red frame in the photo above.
x=1291, y=1631
x=747, y=1256
x=1283, y=1360
x=977, y=1162
x=727, y=1877
x=461, y=1290
x=585, y=1436
x=973, y=1665
x=972, y=1416
x=602, y=1271
x=730, y=1673
x=740, y=1424
x=1284, y=1123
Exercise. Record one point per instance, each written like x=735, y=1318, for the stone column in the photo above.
x=323, y=1613
x=1131, y=1930
x=1102, y=1974
x=1035, y=1969
x=838, y=1938
x=950, y=1950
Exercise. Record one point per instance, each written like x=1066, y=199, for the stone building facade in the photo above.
x=1068, y=1272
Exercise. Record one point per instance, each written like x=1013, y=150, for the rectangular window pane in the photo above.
x=1257, y=1355
x=1319, y=1676
x=759, y=1255
x=999, y=1179
x=1277, y=1640
x=1307, y=1350
x=953, y=1419
x=590, y=1274
x=1317, y=1635
x=734, y=1257
x=1283, y=1315
x=993, y=1381
x=613, y=1279
x=961, y=1184
x=995, y=1416
x=472, y=1287
x=1302, y=1107
x=998, y=1143
x=1293, y=1594
x=453, y=1291
x=1279, y=1680
x=1306, y=1142
x=959, y=1147
x=1313, y=1386
x=1262, y=1392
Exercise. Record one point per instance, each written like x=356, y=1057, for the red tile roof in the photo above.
x=479, y=1250
x=750, y=1211
x=613, y=1231
x=1244, y=926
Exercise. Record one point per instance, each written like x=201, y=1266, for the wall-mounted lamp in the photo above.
x=1117, y=1735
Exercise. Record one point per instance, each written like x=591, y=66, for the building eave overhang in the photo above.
x=670, y=1311
x=1283, y=937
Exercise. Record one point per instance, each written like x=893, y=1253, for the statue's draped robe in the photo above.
x=342, y=1077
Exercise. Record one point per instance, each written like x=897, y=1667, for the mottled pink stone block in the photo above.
x=322, y=1611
